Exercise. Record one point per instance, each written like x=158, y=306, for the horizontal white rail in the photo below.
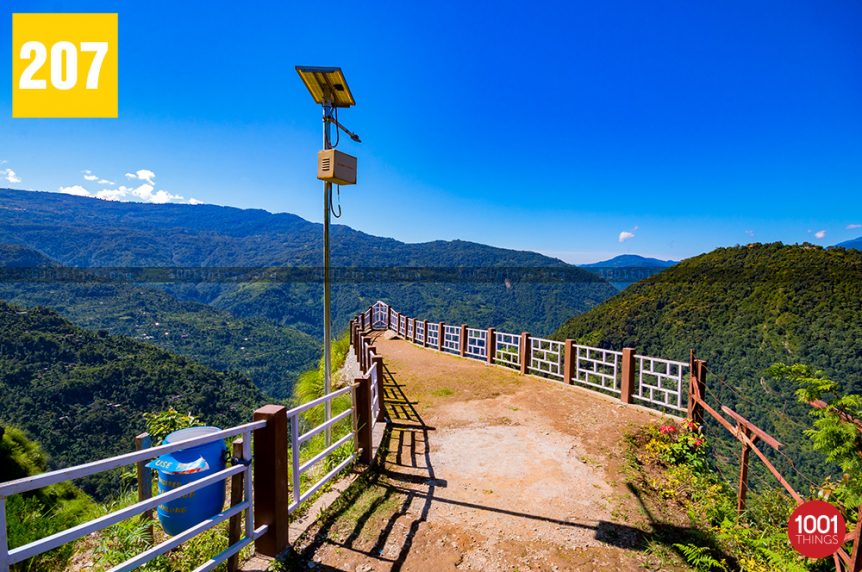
x=51, y=478
x=22, y=553
x=315, y=402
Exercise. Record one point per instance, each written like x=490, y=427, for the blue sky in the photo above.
x=544, y=126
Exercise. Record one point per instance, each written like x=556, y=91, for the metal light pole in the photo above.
x=329, y=89
x=327, y=319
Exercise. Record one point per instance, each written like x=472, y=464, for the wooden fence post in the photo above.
x=627, y=379
x=441, y=333
x=237, y=485
x=490, y=345
x=377, y=362
x=424, y=333
x=743, y=470
x=270, y=479
x=697, y=388
x=525, y=352
x=145, y=480
x=569, y=361
x=388, y=317
x=463, y=339
x=364, y=421
x=856, y=554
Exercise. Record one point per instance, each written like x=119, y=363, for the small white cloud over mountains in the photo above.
x=627, y=234
x=820, y=234
x=9, y=175
x=142, y=175
x=853, y=226
x=144, y=192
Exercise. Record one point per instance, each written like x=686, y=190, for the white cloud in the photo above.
x=853, y=226
x=144, y=192
x=749, y=233
x=625, y=235
x=10, y=176
x=820, y=234
x=142, y=175
x=76, y=190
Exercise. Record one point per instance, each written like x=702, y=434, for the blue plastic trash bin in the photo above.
x=183, y=467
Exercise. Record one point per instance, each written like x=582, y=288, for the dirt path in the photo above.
x=487, y=469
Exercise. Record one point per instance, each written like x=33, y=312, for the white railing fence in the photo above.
x=650, y=381
x=297, y=439
x=21, y=553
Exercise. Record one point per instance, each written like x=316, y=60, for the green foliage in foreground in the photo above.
x=694, y=510
x=82, y=394
x=834, y=435
x=41, y=513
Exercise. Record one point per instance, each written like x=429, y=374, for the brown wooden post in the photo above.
x=364, y=422
x=463, y=340
x=237, y=485
x=377, y=362
x=388, y=317
x=627, y=379
x=698, y=387
x=743, y=470
x=490, y=345
x=856, y=554
x=424, y=333
x=440, y=335
x=569, y=361
x=270, y=479
x=145, y=480
x=525, y=352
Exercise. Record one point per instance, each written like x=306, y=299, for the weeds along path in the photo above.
x=487, y=469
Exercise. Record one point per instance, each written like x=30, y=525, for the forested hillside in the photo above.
x=743, y=309
x=82, y=394
x=83, y=232
x=272, y=356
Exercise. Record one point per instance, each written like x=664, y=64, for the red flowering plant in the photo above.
x=683, y=443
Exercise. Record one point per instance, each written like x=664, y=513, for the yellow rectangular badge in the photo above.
x=64, y=65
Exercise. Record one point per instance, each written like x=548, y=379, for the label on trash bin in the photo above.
x=169, y=464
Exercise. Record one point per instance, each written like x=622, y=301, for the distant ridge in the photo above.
x=631, y=260
x=853, y=243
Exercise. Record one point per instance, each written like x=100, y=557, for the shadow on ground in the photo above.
x=404, y=474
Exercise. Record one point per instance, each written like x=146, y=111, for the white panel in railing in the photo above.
x=420, y=332
x=380, y=315
x=597, y=368
x=375, y=394
x=477, y=343
x=452, y=339
x=507, y=349
x=660, y=382
x=433, y=334
x=410, y=325
x=546, y=358
x=402, y=325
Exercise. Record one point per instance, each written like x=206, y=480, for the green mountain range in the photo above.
x=743, y=309
x=272, y=356
x=82, y=232
x=81, y=394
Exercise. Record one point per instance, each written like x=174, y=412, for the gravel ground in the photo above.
x=488, y=470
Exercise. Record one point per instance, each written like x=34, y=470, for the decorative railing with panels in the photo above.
x=660, y=382
x=451, y=339
x=653, y=382
x=598, y=368
x=546, y=358
x=507, y=350
x=477, y=343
